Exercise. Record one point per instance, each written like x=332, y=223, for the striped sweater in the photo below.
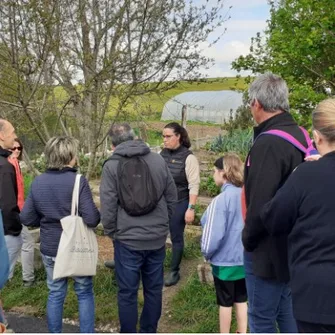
x=49, y=200
x=222, y=224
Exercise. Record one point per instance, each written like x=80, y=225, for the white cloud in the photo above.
x=247, y=18
x=245, y=4
x=227, y=52
x=234, y=26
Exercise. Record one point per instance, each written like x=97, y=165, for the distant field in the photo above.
x=152, y=105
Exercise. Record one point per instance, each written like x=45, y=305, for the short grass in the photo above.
x=34, y=299
x=194, y=308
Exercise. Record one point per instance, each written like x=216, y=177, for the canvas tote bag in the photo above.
x=77, y=253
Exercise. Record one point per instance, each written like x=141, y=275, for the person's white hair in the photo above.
x=271, y=92
x=59, y=151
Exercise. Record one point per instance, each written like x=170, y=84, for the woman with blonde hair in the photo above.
x=304, y=210
x=48, y=202
x=221, y=242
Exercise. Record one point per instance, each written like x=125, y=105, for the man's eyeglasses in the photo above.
x=17, y=148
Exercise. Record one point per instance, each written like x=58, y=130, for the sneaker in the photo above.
x=110, y=264
x=8, y=328
x=28, y=283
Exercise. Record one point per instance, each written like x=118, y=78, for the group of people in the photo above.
x=138, y=239
x=268, y=235
x=271, y=243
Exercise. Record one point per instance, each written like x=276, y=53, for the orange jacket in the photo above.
x=19, y=182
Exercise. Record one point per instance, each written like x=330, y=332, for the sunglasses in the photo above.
x=16, y=148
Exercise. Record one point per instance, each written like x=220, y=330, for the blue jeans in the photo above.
x=269, y=303
x=177, y=225
x=130, y=265
x=83, y=287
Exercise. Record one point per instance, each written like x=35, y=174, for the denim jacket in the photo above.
x=222, y=223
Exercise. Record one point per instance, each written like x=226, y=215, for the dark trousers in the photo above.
x=306, y=327
x=130, y=265
x=177, y=225
x=269, y=303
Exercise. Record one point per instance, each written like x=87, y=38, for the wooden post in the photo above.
x=183, y=116
x=197, y=144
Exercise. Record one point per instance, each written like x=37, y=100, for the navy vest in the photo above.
x=176, y=161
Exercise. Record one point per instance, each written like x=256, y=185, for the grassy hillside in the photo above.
x=152, y=105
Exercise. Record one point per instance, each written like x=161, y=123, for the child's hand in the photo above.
x=189, y=216
x=312, y=158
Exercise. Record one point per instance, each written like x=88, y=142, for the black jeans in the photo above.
x=177, y=225
x=307, y=327
x=130, y=266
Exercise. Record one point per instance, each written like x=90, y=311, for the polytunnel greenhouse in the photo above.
x=206, y=106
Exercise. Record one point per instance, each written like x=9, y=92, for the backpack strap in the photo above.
x=310, y=147
x=286, y=136
x=310, y=150
x=114, y=157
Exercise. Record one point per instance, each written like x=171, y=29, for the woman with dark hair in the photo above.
x=27, y=250
x=185, y=170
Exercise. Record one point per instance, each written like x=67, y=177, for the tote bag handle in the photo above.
x=75, y=196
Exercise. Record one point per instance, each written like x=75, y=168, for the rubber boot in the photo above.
x=110, y=264
x=173, y=277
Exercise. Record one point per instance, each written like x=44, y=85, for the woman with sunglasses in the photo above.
x=27, y=250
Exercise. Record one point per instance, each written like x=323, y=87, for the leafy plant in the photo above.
x=209, y=188
x=238, y=140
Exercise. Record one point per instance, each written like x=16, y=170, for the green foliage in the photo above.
x=208, y=187
x=84, y=163
x=238, y=140
x=242, y=119
x=298, y=45
x=27, y=179
x=40, y=163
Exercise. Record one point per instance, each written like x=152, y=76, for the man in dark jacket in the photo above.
x=139, y=241
x=270, y=161
x=8, y=195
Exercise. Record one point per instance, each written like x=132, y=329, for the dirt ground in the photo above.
x=188, y=267
x=106, y=251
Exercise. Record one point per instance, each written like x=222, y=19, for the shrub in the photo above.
x=28, y=179
x=40, y=165
x=209, y=188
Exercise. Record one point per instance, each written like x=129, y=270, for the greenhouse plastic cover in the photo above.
x=206, y=106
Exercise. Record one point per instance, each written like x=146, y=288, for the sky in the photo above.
x=247, y=18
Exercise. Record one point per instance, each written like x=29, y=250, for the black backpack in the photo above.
x=136, y=190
